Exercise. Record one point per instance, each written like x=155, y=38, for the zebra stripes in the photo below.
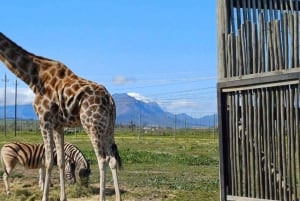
x=81, y=162
x=32, y=156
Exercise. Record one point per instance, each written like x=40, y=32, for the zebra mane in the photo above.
x=76, y=155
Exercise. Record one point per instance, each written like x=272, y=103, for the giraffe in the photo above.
x=65, y=99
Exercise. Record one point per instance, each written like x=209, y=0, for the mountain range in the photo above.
x=131, y=111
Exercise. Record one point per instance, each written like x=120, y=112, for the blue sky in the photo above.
x=158, y=50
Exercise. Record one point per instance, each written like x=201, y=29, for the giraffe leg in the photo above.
x=49, y=160
x=102, y=167
x=59, y=146
x=113, y=168
x=102, y=162
x=42, y=178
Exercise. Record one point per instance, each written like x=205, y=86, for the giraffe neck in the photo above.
x=23, y=64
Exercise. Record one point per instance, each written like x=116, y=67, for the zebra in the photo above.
x=31, y=156
x=80, y=161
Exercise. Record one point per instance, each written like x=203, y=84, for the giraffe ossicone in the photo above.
x=63, y=99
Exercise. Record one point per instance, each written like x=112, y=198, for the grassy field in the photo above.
x=156, y=167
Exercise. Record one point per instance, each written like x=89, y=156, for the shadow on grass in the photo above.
x=108, y=191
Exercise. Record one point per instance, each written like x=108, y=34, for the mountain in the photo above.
x=23, y=112
x=130, y=111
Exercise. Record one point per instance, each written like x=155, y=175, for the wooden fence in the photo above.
x=258, y=98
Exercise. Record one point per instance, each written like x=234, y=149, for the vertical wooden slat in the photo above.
x=249, y=48
x=244, y=50
x=282, y=179
x=222, y=58
x=232, y=21
x=245, y=16
x=259, y=136
x=238, y=15
x=232, y=144
x=296, y=39
x=239, y=54
x=233, y=55
x=248, y=9
x=297, y=148
x=292, y=5
x=270, y=53
x=288, y=144
x=251, y=143
x=261, y=52
x=243, y=147
x=285, y=40
x=268, y=140
x=274, y=149
x=278, y=129
x=275, y=6
x=278, y=44
x=264, y=145
x=237, y=143
x=271, y=11
x=275, y=46
x=292, y=141
x=222, y=21
x=265, y=10
x=254, y=14
x=291, y=28
x=248, y=177
x=254, y=49
x=228, y=57
x=256, y=143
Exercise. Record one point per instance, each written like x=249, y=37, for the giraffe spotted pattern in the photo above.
x=64, y=99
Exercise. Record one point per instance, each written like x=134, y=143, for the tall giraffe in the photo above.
x=64, y=99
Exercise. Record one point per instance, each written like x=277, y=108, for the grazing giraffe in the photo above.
x=64, y=99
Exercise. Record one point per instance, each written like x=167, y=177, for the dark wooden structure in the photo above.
x=258, y=99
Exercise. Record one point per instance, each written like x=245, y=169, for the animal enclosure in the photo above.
x=258, y=99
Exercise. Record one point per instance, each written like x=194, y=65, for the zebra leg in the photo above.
x=59, y=146
x=8, y=166
x=113, y=167
x=5, y=180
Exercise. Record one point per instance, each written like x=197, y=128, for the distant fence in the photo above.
x=169, y=121
x=137, y=126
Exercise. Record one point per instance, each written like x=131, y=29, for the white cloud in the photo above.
x=176, y=106
x=191, y=107
x=122, y=80
x=24, y=96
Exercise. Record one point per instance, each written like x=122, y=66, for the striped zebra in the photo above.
x=80, y=162
x=31, y=156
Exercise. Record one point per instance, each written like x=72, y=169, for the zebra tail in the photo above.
x=115, y=154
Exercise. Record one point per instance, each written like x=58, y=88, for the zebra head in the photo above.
x=84, y=174
x=70, y=167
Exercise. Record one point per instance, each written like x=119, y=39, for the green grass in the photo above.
x=156, y=167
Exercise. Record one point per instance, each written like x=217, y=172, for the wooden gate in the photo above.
x=258, y=99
